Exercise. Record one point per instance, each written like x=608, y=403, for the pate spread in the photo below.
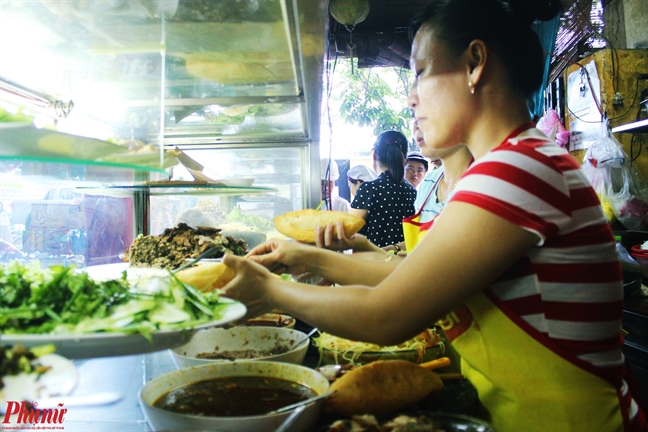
x=174, y=246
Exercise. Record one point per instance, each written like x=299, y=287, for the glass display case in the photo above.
x=121, y=86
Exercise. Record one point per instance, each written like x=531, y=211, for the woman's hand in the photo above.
x=250, y=286
x=333, y=237
x=281, y=256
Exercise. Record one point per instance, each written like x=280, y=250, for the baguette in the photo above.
x=381, y=387
x=300, y=225
x=207, y=277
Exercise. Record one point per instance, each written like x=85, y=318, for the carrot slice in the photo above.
x=441, y=362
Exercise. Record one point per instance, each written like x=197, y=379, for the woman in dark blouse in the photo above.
x=384, y=202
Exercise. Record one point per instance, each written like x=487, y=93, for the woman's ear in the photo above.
x=477, y=55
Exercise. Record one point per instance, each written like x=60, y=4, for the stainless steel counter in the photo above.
x=125, y=375
x=128, y=374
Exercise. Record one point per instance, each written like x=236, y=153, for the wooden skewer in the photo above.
x=451, y=376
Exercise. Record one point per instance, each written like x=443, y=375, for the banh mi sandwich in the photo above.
x=382, y=386
x=207, y=277
x=300, y=225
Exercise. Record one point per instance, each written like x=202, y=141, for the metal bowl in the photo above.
x=159, y=419
x=255, y=339
x=459, y=423
x=424, y=421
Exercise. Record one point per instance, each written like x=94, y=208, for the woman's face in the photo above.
x=353, y=187
x=441, y=98
x=429, y=152
x=417, y=134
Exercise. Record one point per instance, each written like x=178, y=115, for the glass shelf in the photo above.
x=40, y=155
x=141, y=69
x=182, y=189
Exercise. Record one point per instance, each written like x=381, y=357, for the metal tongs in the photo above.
x=206, y=254
x=301, y=403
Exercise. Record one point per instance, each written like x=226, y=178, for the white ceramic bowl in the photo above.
x=159, y=419
x=218, y=340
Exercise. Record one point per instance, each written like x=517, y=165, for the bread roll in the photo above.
x=207, y=276
x=381, y=387
x=300, y=225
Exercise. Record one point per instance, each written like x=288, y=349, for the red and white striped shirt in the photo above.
x=569, y=287
x=567, y=292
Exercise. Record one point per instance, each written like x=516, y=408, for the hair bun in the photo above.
x=529, y=11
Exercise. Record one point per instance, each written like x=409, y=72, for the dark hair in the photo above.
x=391, y=148
x=505, y=25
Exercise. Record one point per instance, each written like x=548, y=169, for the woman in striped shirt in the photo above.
x=520, y=267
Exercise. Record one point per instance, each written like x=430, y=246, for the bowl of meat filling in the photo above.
x=242, y=343
x=234, y=397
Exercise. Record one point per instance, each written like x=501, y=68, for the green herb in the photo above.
x=257, y=223
x=62, y=300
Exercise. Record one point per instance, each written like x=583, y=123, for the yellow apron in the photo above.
x=539, y=391
x=491, y=345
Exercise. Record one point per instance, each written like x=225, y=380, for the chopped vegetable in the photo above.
x=17, y=360
x=350, y=351
x=62, y=300
x=256, y=223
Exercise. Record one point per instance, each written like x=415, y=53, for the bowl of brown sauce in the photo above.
x=217, y=345
x=232, y=397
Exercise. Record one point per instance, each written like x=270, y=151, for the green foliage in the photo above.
x=375, y=97
x=59, y=299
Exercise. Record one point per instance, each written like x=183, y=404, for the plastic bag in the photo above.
x=623, y=192
x=550, y=124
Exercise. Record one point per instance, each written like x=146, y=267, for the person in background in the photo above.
x=520, y=268
x=416, y=167
x=330, y=174
x=431, y=197
x=358, y=175
x=384, y=202
x=5, y=229
x=436, y=188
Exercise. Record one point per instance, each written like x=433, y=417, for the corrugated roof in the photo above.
x=383, y=38
x=574, y=28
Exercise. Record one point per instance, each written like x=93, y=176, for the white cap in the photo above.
x=361, y=172
x=333, y=173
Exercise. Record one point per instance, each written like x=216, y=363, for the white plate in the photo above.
x=114, y=271
x=90, y=345
x=60, y=380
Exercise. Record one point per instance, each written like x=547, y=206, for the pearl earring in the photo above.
x=472, y=87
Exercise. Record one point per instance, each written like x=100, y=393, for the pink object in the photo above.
x=547, y=123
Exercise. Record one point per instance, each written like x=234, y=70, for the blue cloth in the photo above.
x=432, y=206
x=547, y=32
